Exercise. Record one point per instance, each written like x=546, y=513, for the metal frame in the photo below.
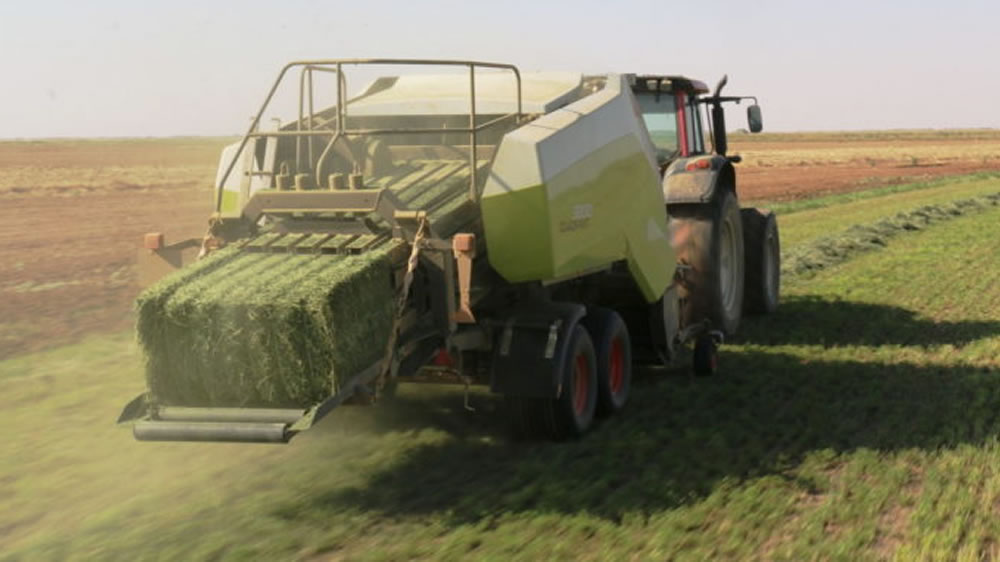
x=242, y=425
x=336, y=66
x=381, y=201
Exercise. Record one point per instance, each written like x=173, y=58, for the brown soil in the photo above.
x=68, y=248
x=74, y=212
x=786, y=183
x=68, y=265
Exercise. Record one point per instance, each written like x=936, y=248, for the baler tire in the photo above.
x=762, y=275
x=573, y=411
x=613, y=349
x=570, y=414
x=708, y=238
x=517, y=413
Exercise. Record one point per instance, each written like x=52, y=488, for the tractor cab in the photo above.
x=671, y=111
x=672, y=114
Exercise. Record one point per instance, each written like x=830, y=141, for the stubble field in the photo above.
x=74, y=214
x=859, y=422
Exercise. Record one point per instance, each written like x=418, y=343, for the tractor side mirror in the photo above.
x=754, y=119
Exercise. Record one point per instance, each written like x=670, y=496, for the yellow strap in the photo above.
x=404, y=294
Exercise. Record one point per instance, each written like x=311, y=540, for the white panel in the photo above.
x=233, y=181
x=448, y=94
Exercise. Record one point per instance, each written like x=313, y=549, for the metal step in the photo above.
x=244, y=415
x=239, y=425
x=238, y=432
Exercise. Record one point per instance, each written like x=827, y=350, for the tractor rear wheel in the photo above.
x=709, y=240
x=613, y=350
x=571, y=413
x=762, y=279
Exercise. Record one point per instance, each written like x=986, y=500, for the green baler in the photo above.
x=540, y=233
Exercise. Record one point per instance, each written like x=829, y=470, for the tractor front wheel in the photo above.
x=762, y=280
x=706, y=356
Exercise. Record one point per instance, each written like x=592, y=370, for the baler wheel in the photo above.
x=708, y=238
x=762, y=278
x=613, y=348
x=571, y=413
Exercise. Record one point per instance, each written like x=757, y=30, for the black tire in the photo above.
x=706, y=356
x=709, y=239
x=762, y=274
x=613, y=352
x=571, y=413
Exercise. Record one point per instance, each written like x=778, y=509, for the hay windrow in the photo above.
x=258, y=329
x=831, y=250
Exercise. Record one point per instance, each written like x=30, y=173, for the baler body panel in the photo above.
x=576, y=190
x=448, y=94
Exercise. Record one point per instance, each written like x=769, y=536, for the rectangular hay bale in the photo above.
x=250, y=329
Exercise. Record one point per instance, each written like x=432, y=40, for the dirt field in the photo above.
x=780, y=167
x=75, y=211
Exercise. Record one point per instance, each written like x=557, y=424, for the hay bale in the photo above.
x=258, y=329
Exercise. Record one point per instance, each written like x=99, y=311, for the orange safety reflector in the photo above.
x=463, y=242
x=153, y=241
x=463, y=246
x=699, y=164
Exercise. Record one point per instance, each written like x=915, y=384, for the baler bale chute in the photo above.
x=476, y=227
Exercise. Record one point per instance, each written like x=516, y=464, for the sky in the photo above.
x=126, y=68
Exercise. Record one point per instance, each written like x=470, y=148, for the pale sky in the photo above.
x=132, y=68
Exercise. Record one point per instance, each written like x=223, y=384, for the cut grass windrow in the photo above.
x=805, y=226
x=836, y=248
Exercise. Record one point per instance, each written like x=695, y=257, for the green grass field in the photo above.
x=859, y=422
x=971, y=184
x=812, y=218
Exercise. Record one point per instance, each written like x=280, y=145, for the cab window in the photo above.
x=660, y=117
x=692, y=116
